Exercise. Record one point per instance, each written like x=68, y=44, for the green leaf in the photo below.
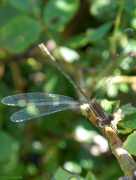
x=90, y=176
x=62, y=174
x=97, y=34
x=7, y=146
x=128, y=109
x=29, y=6
x=130, y=143
x=112, y=90
x=109, y=105
x=19, y=33
x=58, y=13
x=123, y=129
x=50, y=84
x=69, y=54
x=7, y=13
x=129, y=120
x=101, y=9
x=123, y=87
x=77, y=41
x=130, y=6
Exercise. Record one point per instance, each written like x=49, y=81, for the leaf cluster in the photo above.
x=80, y=34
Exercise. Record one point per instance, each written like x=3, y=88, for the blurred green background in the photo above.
x=80, y=34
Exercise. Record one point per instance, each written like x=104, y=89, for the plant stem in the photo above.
x=125, y=160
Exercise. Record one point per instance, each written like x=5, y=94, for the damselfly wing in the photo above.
x=40, y=104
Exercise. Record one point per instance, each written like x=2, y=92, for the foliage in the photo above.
x=81, y=35
x=130, y=143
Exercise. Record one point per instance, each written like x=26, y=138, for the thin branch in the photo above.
x=125, y=160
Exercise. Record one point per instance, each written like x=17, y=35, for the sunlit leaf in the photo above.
x=73, y=166
x=68, y=54
x=123, y=87
x=109, y=105
x=32, y=169
x=101, y=9
x=122, y=129
x=112, y=90
x=77, y=41
x=130, y=143
x=129, y=119
x=58, y=13
x=19, y=33
x=84, y=135
x=90, y=176
x=128, y=109
x=62, y=174
x=95, y=35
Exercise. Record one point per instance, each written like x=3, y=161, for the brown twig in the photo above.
x=125, y=160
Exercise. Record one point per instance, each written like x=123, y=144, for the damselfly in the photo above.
x=40, y=104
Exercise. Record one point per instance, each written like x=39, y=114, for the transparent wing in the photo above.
x=37, y=98
x=123, y=57
x=38, y=104
x=33, y=111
